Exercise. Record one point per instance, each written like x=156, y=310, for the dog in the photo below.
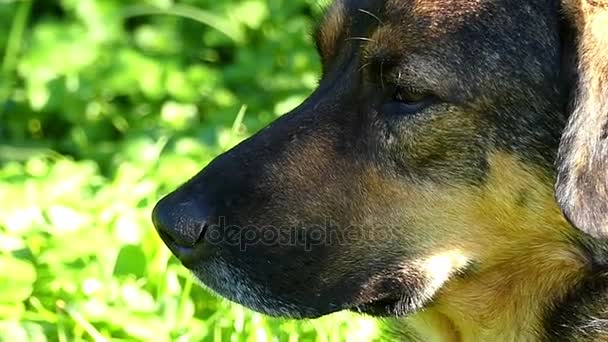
x=449, y=172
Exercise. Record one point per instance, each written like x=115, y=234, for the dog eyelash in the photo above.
x=410, y=95
x=406, y=101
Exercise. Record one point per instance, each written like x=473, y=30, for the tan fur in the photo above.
x=585, y=157
x=433, y=326
x=591, y=22
x=330, y=30
x=524, y=256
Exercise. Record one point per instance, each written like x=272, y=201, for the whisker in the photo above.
x=381, y=75
x=364, y=66
x=371, y=15
x=361, y=38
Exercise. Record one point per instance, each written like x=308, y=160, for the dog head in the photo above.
x=427, y=150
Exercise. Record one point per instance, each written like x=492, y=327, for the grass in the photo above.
x=81, y=260
x=105, y=106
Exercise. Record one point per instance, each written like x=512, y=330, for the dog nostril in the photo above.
x=181, y=224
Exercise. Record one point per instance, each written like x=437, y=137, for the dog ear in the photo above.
x=582, y=180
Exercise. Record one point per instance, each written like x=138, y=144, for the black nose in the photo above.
x=181, y=224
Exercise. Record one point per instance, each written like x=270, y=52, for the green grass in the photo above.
x=104, y=107
x=80, y=260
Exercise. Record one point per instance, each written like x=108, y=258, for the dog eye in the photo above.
x=406, y=101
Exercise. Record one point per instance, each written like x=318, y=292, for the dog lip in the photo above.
x=380, y=306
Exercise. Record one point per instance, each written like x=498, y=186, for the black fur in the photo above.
x=307, y=216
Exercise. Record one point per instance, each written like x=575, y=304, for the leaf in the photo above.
x=252, y=13
x=178, y=115
x=208, y=18
x=131, y=260
x=66, y=219
x=16, y=279
x=21, y=331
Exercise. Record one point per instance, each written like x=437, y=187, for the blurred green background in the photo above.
x=106, y=105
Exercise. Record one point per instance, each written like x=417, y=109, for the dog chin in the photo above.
x=392, y=306
x=230, y=283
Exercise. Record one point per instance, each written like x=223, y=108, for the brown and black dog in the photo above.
x=450, y=170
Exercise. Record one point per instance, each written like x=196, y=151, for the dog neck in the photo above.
x=505, y=299
x=516, y=275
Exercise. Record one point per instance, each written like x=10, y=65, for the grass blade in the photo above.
x=179, y=10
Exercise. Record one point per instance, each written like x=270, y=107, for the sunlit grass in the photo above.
x=104, y=108
x=81, y=260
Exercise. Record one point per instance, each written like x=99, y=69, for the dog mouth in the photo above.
x=387, y=306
